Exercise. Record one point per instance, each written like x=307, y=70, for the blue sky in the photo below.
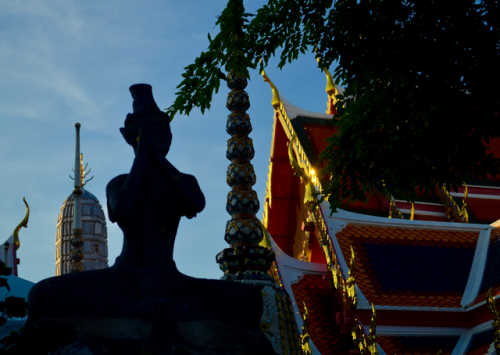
x=63, y=62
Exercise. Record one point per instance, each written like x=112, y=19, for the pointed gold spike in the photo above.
x=84, y=173
x=24, y=223
x=276, y=96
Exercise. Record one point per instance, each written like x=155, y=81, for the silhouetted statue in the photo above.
x=143, y=295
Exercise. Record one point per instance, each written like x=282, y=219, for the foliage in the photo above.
x=10, y=307
x=226, y=51
x=421, y=100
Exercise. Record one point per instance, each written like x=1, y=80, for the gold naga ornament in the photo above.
x=346, y=289
x=24, y=223
x=367, y=345
x=496, y=318
x=304, y=337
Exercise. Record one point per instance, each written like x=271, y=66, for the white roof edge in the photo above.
x=285, y=260
x=416, y=330
x=477, y=270
x=361, y=219
x=292, y=270
x=293, y=111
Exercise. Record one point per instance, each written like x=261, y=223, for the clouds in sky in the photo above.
x=63, y=62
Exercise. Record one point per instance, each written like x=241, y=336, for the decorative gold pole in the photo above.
x=76, y=240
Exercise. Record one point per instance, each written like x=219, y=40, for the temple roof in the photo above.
x=294, y=111
x=413, y=268
x=430, y=265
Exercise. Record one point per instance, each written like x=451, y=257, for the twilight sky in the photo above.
x=67, y=61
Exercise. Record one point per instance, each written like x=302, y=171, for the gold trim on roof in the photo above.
x=24, y=223
x=346, y=289
x=300, y=157
x=496, y=318
x=276, y=96
x=304, y=336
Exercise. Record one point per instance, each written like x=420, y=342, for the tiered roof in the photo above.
x=427, y=277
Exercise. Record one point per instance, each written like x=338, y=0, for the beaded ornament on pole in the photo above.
x=245, y=261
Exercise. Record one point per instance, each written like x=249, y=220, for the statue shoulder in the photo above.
x=192, y=198
x=112, y=192
x=116, y=184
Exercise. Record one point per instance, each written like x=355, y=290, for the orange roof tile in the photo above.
x=378, y=247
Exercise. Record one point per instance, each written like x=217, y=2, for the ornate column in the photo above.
x=76, y=240
x=245, y=261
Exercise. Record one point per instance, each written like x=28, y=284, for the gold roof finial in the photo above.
x=276, y=96
x=24, y=223
x=83, y=173
x=330, y=86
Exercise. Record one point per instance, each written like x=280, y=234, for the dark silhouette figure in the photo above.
x=144, y=284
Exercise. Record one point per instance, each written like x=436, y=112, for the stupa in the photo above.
x=95, y=247
x=92, y=222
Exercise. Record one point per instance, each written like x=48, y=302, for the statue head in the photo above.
x=147, y=117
